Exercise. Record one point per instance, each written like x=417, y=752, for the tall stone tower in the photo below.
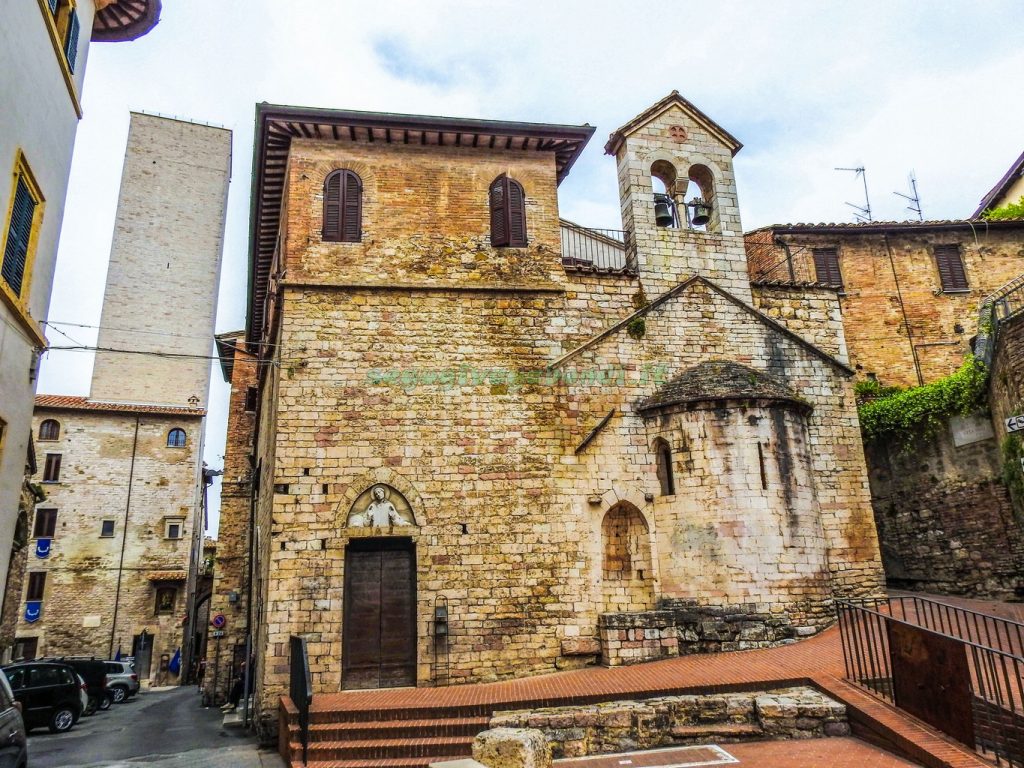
x=666, y=156
x=161, y=290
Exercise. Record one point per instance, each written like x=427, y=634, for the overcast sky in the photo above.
x=806, y=86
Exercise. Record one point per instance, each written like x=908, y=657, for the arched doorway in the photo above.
x=627, y=578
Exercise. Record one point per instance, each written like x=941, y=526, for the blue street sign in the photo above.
x=43, y=548
x=33, y=609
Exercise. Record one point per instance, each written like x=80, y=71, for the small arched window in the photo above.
x=49, y=430
x=343, y=207
x=176, y=438
x=663, y=455
x=508, y=213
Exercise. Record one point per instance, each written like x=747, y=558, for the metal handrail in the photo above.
x=300, y=687
x=990, y=720
x=595, y=250
x=995, y=309
x=954, y=621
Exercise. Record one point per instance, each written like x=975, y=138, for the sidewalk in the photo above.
x=241, y=756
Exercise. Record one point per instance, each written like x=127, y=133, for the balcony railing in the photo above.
x=603, y=251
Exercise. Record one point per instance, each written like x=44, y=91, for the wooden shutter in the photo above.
x=332, y=207
x=18, y=234
x=351, y=208
x=53, y=6
x=343, y=208
x=516, y=214
x=499, y=225
x=951, y=268
x=71, y=40
x=826, y=267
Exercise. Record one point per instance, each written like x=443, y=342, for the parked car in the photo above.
x=122, y=682
x=48, y=694
x=13, y=735
x=83, y=695
x=94, y=672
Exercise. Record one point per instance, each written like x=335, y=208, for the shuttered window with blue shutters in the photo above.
x=53, y=6
x=19, y=234
x=71, y=40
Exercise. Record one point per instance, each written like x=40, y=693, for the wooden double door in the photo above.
x=379, y=624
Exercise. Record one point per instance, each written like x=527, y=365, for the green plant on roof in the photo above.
x=1004, y=212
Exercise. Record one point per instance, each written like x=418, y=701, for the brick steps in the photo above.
x=430, y=749
x=393, y=729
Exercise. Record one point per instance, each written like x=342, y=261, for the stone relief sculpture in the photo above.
x=380, y=507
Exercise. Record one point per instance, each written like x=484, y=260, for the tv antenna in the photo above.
x=863, y=213
x=913, y=197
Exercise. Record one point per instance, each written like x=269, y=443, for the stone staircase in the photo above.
x=391, y=738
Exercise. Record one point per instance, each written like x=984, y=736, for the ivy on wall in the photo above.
x=905, y=415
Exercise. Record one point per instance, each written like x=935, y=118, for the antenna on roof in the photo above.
x=913, y=197
x=863, y=213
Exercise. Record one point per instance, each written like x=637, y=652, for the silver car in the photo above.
x=122, y=682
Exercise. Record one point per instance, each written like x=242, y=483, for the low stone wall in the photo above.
x=622, y=726
x=682, y=627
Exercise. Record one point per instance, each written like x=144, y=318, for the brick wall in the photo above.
x=1006, y=386
x=893, y=308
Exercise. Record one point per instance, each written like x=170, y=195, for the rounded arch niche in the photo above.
x=627, y=578
x=380, y=506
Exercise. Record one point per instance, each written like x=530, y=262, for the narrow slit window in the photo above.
x=951, y=268
x=343, y=207
x=663, y=456
x=251, y=398
x=106, y=529
x=826, y=267
x=760, y=462
x=508, y=213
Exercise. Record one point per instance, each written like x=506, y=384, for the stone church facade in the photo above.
x=480, y=453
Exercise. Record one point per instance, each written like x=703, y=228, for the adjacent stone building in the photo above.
x=482, y=451
x=117, y=543
x=1009, y=189
x=908, y=292
x=43, y=51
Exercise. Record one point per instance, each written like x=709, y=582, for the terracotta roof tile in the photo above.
x=167, y=576
x=85, y=404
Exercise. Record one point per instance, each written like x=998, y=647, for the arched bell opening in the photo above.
x=664, y=183
x=701, y=209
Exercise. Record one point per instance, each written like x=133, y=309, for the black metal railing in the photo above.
x=968, y=690
x=300, y=687
x=596, y=250
x=999, y=306
x=991, y=631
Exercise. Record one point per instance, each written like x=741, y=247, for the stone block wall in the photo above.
x=810, y=312
x=625, y=726
x=945, y=518
x=161, y=287
x=1006, y=386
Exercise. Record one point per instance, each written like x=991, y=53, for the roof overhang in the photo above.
x=277, y=125
x=124, y=20
x=1002, y=186
x=227, y=344
x=886, y=227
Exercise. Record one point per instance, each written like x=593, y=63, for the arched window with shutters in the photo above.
x=49, y=430
x=508, y=213
x=343, y=207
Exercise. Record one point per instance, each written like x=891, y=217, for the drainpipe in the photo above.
x=903, y=311
x=124, y=538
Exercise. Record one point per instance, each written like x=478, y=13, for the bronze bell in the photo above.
x=663, y=213
x=701, y=212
